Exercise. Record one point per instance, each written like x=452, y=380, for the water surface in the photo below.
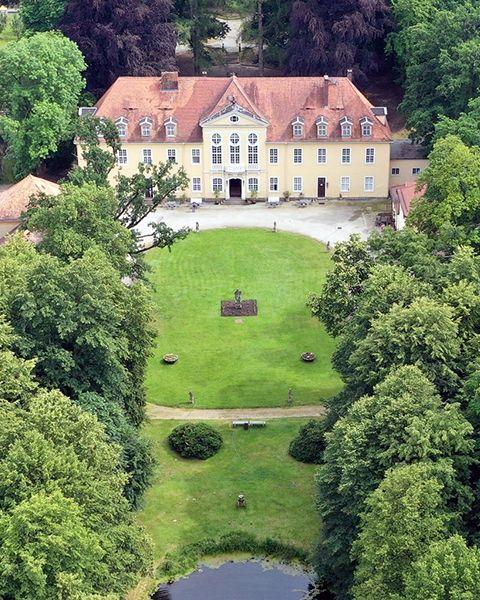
x=251, y=580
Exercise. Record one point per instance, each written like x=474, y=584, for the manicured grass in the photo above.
x=248, y=363
x=191, y=500
x=7, y=34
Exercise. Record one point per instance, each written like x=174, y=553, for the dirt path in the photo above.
x=228, y=414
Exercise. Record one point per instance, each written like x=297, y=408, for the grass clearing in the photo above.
x=251, y=362
x=7, y=34
x=191, y=500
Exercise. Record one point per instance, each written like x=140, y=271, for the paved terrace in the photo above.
x=332, y=222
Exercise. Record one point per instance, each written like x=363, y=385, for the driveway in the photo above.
x=329, y=223
x=232, y=414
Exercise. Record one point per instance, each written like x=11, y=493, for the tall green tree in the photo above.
x=448, y=570
x=40, y=85
x=89, y=336
x=65, y=525
x=404, y=421
x=404, y=516
x=452, y=196
x=41, y=15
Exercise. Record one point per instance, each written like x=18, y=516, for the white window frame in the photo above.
x=298, y=154
x=395, y=172
x=322, y=127
x=346, y=127
x=122, y=127
x=366, y=126
x=370, y=156
x=273, y=152
x=234, y=119
x=274, y=184
x=234, y=153
x=298, y=184
x=196, y=153
x=147, y=156
x=252, y=149
x=416, y=170
x=172, y=155
x=253, y=184
x=122, y=156
x=196, y=184
x=297, y=130
x=146, y=130
x=371, y=186
x=217, y=150
x=345, y=184
x=217, y=184
x=347, y=151
x=322, y=152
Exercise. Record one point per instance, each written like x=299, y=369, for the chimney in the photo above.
x=327, y=96
x=350, y=74
x=169, y=81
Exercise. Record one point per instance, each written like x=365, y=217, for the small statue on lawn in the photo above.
x=241, y=501
x=191, y=398
x=290, y=397
x=238, y=296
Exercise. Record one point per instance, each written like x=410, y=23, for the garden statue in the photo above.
x=274, y=227
x=191, y=398
x=238, y=296
x=290, y=397
x=241, y=501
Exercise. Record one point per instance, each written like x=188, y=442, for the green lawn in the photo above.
x=253, y=362
x=191, y=500
x=7, y=34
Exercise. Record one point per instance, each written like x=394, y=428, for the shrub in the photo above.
x=195, y=440
x=309, y=444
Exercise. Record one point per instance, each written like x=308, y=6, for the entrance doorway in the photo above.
x=235, y=188
x=322, y=185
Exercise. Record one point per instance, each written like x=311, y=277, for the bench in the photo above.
x=273, y=201
x=246, y=423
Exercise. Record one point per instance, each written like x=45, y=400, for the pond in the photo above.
x=250, y=580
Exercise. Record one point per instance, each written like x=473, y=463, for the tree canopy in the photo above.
x=40, y=85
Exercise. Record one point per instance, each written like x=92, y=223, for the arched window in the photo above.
x=367, y=127
x=346, y=125
x=322, y=127
x=216, y=149
x=253, y=149
x=146, y=126
x=234, y=149
x=122, y=124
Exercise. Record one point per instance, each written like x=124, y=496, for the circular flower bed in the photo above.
x=170, y=358
x=308, y=356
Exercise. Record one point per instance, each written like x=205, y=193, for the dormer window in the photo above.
x=322, y=127
x=170, y=127
x=122, y=124
x=367, y=127
x=298, y=126
x=346, y=125
x=146, y=127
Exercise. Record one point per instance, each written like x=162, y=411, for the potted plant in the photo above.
x=286, y=195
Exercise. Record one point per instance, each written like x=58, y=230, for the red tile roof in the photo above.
x=403, y=195
x=278, y=99
x=15, y=199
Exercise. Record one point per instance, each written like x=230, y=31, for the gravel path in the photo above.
x=332, y=222
x=228, y=414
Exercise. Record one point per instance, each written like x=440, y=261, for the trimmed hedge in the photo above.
x=186, y=559
x=195, y=440
x=309, y=444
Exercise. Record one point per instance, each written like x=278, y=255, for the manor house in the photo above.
x=317, y=137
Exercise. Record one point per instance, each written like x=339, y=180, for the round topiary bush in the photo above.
x=195, y=440
x=309, y=444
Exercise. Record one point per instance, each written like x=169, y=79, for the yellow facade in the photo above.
x=313, y=169
x=406, y=170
